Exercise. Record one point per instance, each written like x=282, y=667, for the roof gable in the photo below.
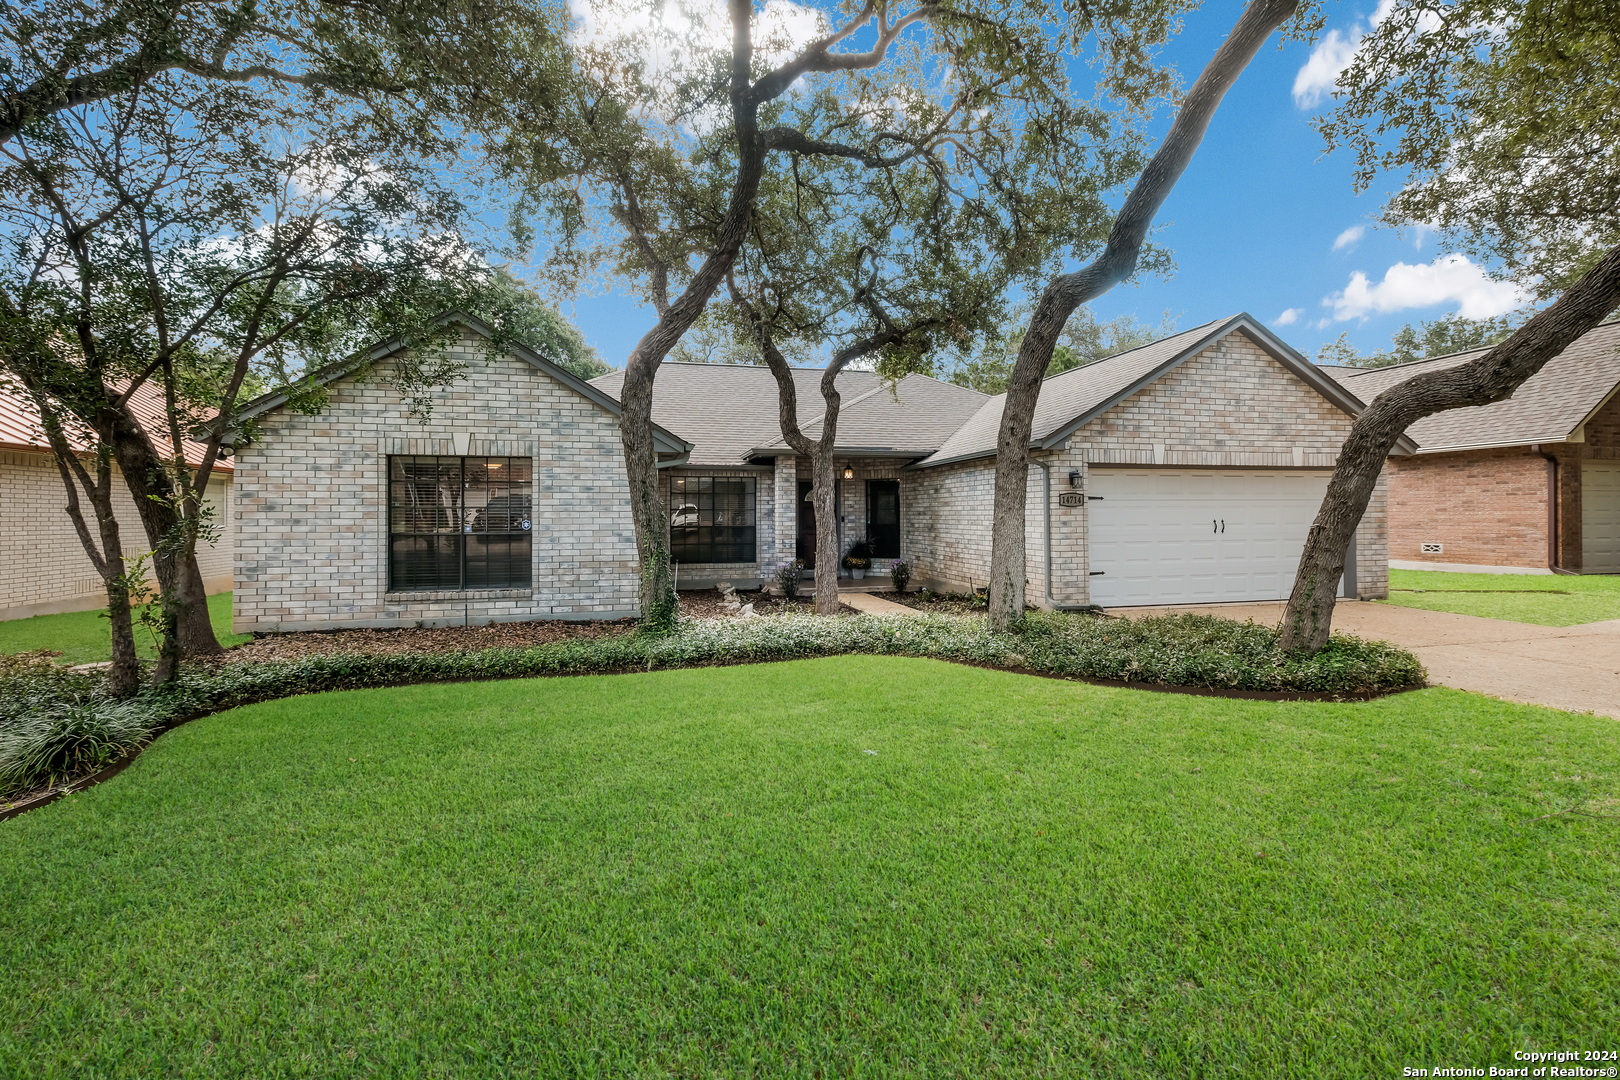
x=1073, y=398
x=664, y=441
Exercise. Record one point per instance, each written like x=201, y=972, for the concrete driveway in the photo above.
x=1566, y=667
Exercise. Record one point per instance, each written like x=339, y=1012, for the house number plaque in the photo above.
x=1071, y=498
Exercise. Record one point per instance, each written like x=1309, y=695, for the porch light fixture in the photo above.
x=1074, y=479
x=849, y=473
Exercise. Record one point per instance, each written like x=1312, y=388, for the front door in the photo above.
x=883, y=518
x=805, y=548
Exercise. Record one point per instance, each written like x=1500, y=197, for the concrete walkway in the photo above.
x=1566, y=667
x=867, y=604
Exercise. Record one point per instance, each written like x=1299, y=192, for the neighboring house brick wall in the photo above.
x=312, y=498
x=46, y=568
x=1486, y=507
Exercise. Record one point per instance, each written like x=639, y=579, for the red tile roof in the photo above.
x=20, y=426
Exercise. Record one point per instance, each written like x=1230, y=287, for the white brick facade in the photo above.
x=46, y=569
x=312, y=502
x=312, y=513
x=1230, y=405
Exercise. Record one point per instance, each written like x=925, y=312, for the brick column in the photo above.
x=786, y=507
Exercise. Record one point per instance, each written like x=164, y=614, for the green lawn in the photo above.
x=82, y=638
x=846, y=867
x=1561, y=600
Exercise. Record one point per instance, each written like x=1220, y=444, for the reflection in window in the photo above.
x=711, y=519
x=459, y=523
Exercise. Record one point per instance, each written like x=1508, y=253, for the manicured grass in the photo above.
x=1564, y=600
x=855, y=866
x=82, y=638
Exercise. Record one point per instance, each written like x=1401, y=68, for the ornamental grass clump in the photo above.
x=57, y=724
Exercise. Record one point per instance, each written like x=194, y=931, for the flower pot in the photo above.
x=857, y=573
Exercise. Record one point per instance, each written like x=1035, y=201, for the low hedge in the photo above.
x=55, y=728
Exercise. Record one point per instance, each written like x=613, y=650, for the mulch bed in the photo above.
x=704, y=603
x=414, y=639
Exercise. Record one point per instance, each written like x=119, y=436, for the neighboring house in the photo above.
x=46, y=569
x=1185, y=471
x=1526, y=485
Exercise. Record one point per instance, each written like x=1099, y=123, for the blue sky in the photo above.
x=1263, y=221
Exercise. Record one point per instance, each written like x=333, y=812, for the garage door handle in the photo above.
x=1223, y=524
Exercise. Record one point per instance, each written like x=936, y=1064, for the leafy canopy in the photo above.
x=1499, y=117
x=1436, y=337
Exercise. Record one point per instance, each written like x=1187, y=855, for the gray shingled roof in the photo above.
x=1077, y=396
x=1546, y=409
x=913, y=417
x=729, y=411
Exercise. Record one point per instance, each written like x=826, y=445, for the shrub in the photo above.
x=900, y=574
x=63, y=726
x=788, y=576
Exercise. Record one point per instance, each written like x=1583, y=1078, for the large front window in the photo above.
x=458, y=523
x=711, y=519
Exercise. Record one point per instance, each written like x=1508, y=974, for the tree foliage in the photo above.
x=203, y=238
x=1498, y=118
x=1084, y=340
x=1448, y=334
x=1498, y=115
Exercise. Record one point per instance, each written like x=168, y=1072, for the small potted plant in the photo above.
x=900, y=574
x=858, y=558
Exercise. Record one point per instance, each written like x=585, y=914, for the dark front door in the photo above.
x=805, y=549
x=883, y=518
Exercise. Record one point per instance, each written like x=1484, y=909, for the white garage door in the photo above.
x=1165, y=536
x=1600, y=517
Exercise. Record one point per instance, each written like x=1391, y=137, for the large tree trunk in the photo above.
x=104, y=547
x=1308, y=621
x=819, y=452
x=1069, y=291
x=105, y=550
x=658, y=602
x=174, y=545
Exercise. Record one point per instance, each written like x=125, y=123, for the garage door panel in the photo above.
x=1189, y=536
x=1600, y=517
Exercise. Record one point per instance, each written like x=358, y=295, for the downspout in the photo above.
x=1046, y=484
x=1552, y=510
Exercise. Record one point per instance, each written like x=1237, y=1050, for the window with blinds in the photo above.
x=711, y=519
x=458, y=523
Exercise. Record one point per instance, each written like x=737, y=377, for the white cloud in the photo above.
x=1319, y=76
x=1349, y=238
x=1448, y=279
x=669, y=33
x=1289, y=317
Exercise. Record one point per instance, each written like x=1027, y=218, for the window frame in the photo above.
x=699, y=492
x=512, y=569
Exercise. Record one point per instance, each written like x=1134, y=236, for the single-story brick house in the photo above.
x=1184, y=471
x=46, y=569
x=1528, y=485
